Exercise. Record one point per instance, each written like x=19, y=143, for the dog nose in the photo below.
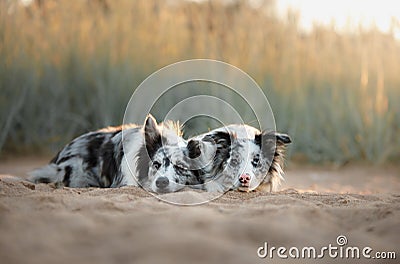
x=244, y=178
x=162, y=182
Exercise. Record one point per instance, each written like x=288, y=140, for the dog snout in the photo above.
x=244, y=179
x=162, y=182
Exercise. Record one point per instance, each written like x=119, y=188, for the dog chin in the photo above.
x=246, y=188
x=161, y=191
x=243, y=189
x=169, y=189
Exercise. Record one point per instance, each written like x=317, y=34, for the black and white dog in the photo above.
x=156, y=157
x=149, y=156
x=240, y=157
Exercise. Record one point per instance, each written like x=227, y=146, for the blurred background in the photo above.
x=330, y=69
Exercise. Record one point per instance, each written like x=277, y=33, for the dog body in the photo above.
x=118, y=156
x=241, y=157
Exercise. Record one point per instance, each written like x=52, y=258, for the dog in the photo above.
x=240, y=157
x=146, y=156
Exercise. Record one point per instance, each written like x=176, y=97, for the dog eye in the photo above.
x=156, y=165
x=255, y=161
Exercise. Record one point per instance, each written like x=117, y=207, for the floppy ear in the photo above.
x=272, y=144
x=221, y=138
x=194, y=149
x=282, y=139
x=152, y=135
x=268, y=136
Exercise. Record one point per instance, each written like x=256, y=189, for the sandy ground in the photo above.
x=42, y=224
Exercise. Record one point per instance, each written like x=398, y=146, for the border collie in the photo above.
x=240, y=157
x=145, y=155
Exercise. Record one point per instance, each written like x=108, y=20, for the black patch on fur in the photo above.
x=223, y=141
x=110, y=165
x=93, y=150
x=153, y=144
x=199, y=177
x=143, y=163
x=193, y=148
x=63, y=159
x=221, y=138
x=67, y=175
x=265, y=140
x=167, y=162
x=117, y=181
x=257, y=139
x=283, y=139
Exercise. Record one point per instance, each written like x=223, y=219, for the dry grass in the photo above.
x=70, y=66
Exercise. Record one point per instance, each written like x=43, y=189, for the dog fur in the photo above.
x=240, y=157
x=118, y=156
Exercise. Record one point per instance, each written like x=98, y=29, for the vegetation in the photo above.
x=70, y=66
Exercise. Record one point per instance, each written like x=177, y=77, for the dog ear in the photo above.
x=151, y=127
x=272, y=143
x=221, y=138
x=283, y=139
x=194, y=149
x=152, y=135
x=224, y=139
x=273, y=146
x=269, y=136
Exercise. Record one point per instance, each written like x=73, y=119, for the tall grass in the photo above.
x=70, y=66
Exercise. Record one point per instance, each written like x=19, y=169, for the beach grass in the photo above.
x=68, y=67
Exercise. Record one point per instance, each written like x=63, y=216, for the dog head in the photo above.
x=161, y=163
x=241, y=157
x=208, y=155
x=260, y=160
x=209, y=152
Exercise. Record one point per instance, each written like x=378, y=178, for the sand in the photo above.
x=43, y=224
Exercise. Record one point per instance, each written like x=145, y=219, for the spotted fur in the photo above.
x=117, y=156
x=240, y=150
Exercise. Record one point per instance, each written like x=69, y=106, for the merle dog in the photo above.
x=239, y=157
x=147, y=155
